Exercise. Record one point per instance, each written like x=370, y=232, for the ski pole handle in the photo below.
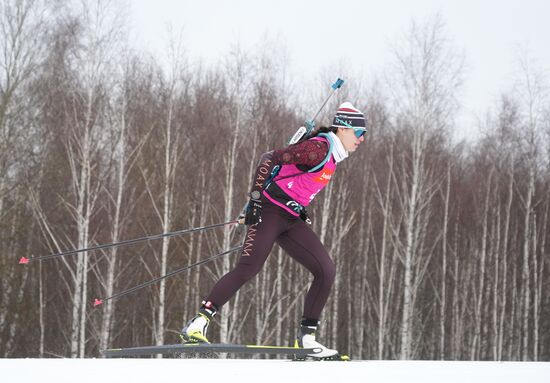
x=338, y=84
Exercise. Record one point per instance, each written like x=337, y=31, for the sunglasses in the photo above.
x=359, y=132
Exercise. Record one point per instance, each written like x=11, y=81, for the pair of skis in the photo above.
x=210, y=348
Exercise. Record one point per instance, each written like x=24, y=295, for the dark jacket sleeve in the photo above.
x=305, y=155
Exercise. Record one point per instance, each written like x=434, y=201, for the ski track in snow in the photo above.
x=279, y=371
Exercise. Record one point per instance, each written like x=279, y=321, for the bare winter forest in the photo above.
x=442, y=247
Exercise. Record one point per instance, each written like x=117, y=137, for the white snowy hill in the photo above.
x=261, y=371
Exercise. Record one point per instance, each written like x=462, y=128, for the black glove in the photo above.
x=253, y=214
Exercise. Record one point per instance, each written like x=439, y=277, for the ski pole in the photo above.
x=310, y=124
x=24, y=260
x=99, y=301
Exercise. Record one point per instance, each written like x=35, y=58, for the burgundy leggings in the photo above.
x=298, y=240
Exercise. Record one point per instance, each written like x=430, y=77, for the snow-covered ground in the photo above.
x=226, y=370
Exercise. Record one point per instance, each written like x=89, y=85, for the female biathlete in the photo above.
x=276, y=213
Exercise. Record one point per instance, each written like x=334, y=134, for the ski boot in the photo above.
x=306, y=339
x=195, y=330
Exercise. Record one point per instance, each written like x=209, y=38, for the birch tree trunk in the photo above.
x=171, y=158
x=480, y=288
x=526, y=273
x=503, y=298
x=121, y=177
x=166, y=225
x=443, y=305
x=408, y=282
x=383, y=197
x=81, y=177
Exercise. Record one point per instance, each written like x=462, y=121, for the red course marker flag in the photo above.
x=23, y=261
x=98, y=302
